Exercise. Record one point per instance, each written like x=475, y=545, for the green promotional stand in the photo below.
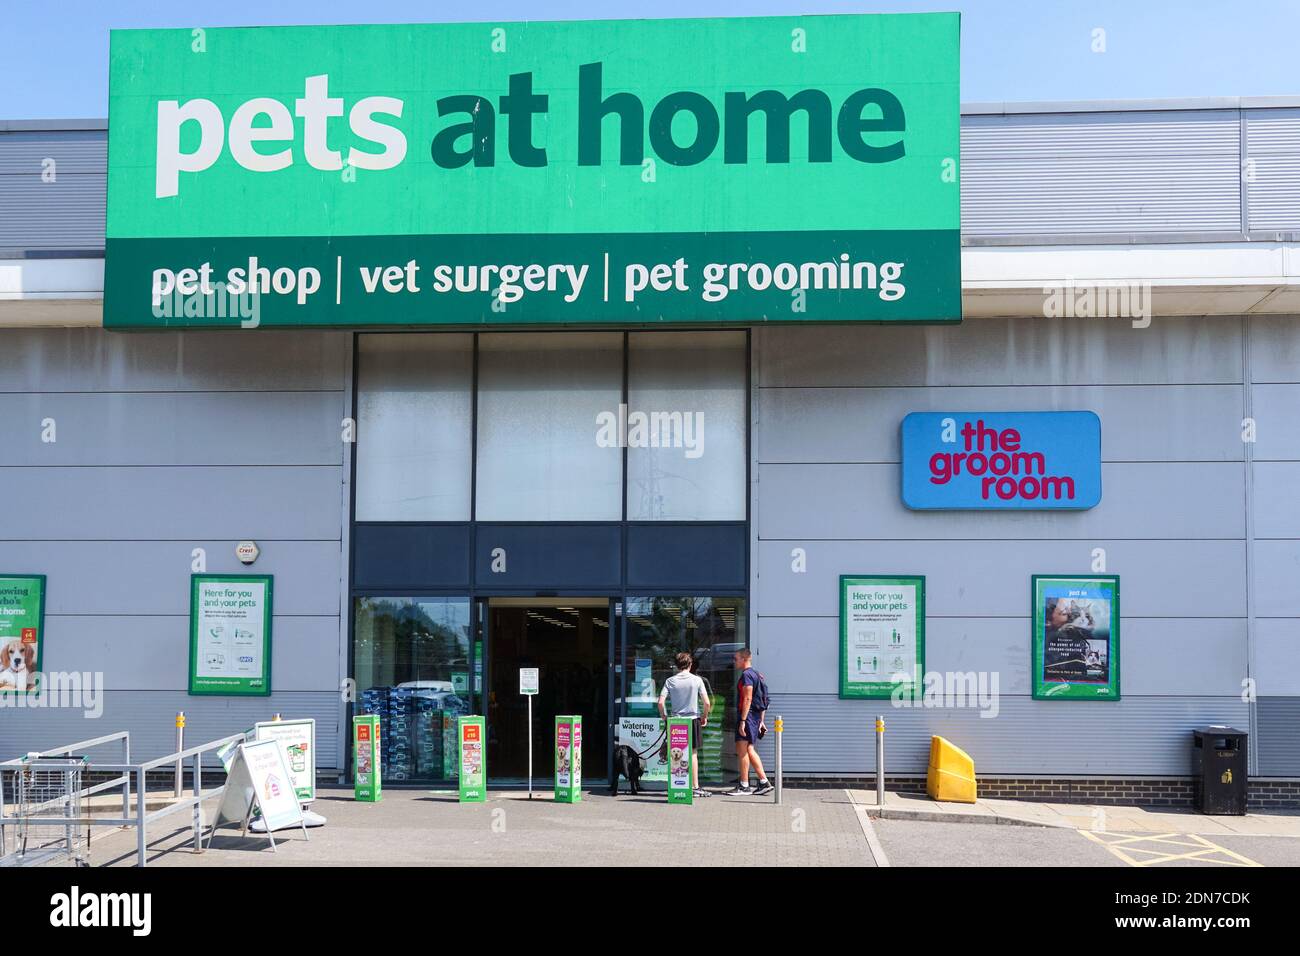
x=365, y=759
x=473, y=760
x=679, y=761
x=568, y=759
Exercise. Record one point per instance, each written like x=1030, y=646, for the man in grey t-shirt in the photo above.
x=690, y=698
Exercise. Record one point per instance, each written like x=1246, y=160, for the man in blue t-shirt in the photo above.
x=749, y=729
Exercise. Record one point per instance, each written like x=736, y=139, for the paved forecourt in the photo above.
x=430, y=828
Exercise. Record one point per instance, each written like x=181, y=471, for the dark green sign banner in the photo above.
x=608, y=172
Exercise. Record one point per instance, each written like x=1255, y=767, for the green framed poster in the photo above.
x=22, y=632
x=882, y=635
x=230, y=634
x=1075, y=636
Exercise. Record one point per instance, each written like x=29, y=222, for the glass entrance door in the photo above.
x=711, y=630
x=568, y=641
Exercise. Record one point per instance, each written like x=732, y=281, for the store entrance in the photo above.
x=568, y=640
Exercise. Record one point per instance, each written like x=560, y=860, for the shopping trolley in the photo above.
x=48, y=819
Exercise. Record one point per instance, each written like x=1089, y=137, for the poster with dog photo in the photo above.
x=1075, y=637
x=22, y=631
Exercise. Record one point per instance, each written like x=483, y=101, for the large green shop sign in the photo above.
x=768, y=169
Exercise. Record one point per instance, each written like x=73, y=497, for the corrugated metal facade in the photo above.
x=1042, y=175
x=52, y=189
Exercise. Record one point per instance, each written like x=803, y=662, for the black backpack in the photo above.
x=761, y=699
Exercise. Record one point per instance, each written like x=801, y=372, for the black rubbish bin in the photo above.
x=1219, y=770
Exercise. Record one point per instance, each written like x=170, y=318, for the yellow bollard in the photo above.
x=880, y=761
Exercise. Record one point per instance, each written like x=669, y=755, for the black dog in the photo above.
x=628, y=764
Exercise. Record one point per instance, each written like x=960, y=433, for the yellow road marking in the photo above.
x=1202, y=850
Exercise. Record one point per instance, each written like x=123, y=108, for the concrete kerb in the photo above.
x=918, y=807
x=948, y=816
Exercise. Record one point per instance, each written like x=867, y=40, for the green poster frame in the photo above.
x=246, y=686
x=1070, y=690
x=885, y=689
x=37, y=580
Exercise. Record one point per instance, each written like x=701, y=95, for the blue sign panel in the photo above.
x=1001, y=460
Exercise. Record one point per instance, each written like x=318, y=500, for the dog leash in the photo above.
x=655, y=746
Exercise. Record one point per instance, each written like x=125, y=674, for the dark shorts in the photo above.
x=751, y=730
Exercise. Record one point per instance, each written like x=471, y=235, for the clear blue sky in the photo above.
x=54, y=53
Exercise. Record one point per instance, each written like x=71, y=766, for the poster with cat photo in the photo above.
x=1075, y=637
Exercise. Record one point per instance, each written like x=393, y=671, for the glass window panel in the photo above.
x=711, y=630
x=412, y=667
x=541, y=398
x=414, y=395
x=686, y=456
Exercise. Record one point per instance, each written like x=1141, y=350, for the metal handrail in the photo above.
x=126, y=771
x=79, y=745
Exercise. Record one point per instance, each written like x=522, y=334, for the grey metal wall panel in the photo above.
x=1277, y=499
x=1276, y=410
x=152, y=653
x=1138, y=422
x=800, y=655
x=1154, y=500
x=1277, y=579
x=158, y=428
x=148, y=717
x=1140, y=735
x=91, y=578
x=1277, y=646
x=1274, y=349
x=1154, y=574
x=1120, y=172
x=157, y=503
x=1273, y=168
x=1024, y=351
x=90, y=360
x=1278, y=721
